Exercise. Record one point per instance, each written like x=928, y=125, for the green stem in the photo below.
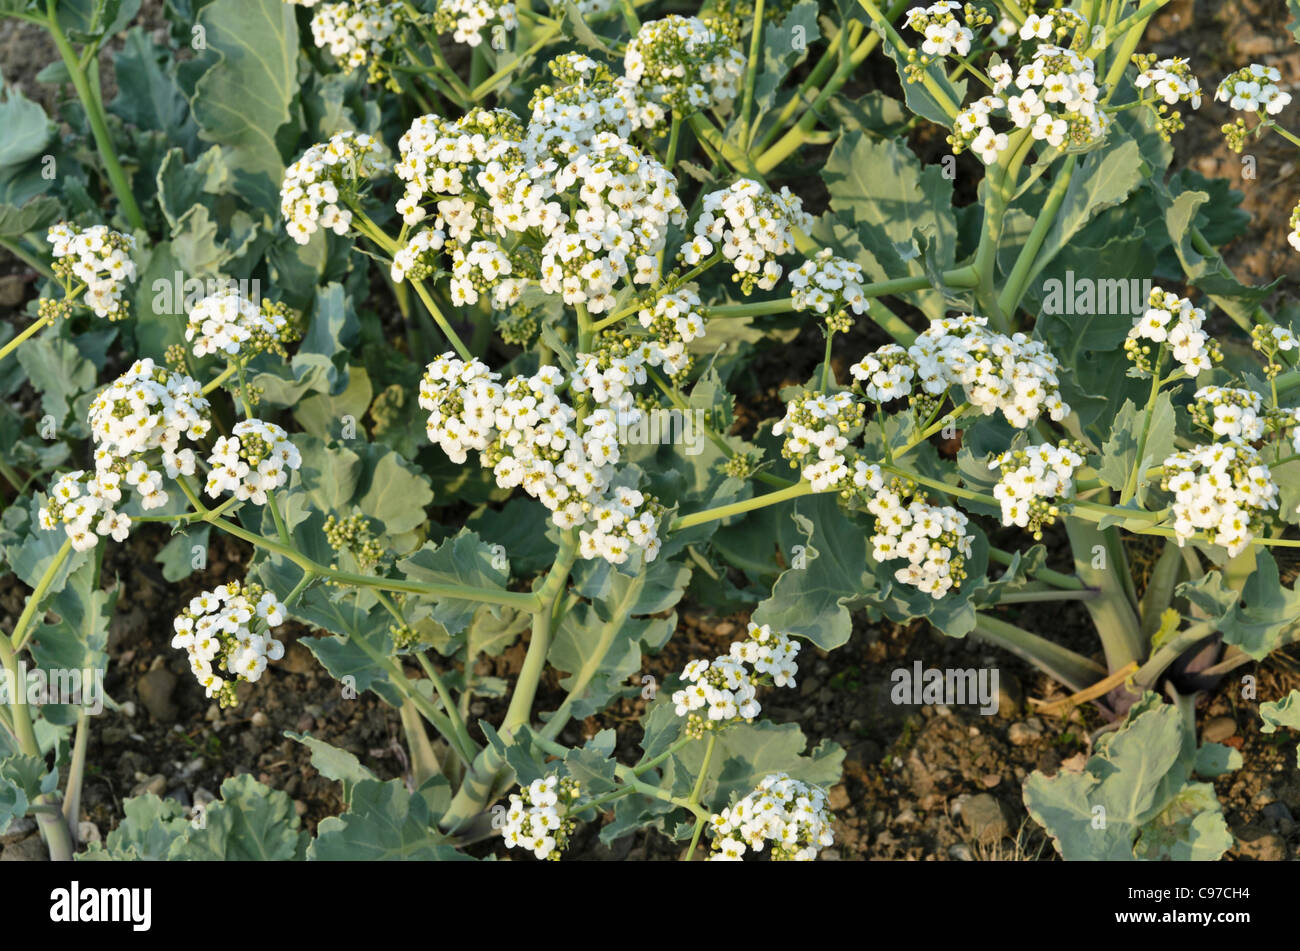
x=751, y=74
x=95, y=114
x=1074, y=670
x=28, y=331
x=1131, y=483
x=32, y=608
x=1026, y=262
x=530, y=674
x=695, y=796
x=795, y=491
x=515, y=599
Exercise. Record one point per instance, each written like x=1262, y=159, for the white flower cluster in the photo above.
x=684, y=63
x=724, y=691
x=932, y=539
x=484, y=266
x=1222, y=490
x=466, y=20
x=586, y=100
x=1175, y=324
x=815, y=427
x=944, y=33
x=1229, y=413
x=603, y=211
x=829, y=285
x=229, y=323
x=1172, y=81
x=790, y=815
x=1054, y=96
x=754, y=227
x=537, y=820
x=255, y=459
x=625, y=202
x=674, y=320
x=217, y=630
x=100, y=259
x=1013, y=374
x=354, y=32
x=526, y=434
x=1044, y=26
x=145, y=409
x=1254, y=88
x=1031, y=476
x=442, y=157
x=83, y=505
x=313, y=186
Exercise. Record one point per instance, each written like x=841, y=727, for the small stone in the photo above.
x=300, y=807
x=1218, y=729
x=155, y=692
x=985, y=817
x=12, y=290
x=193, y=766
x=839, y=798
x=213, y=713
x=943, y=710
x=260, y=719
x=1025, y=732
x=297, y=659
x=156, y=784
x=88, y=832
x=202, y=797
x=127, y=709
x=959, y=853
x=1277, y=812
x=990, y=780
x=30, y=849
x=1009, y=695
x=829, y=855
x=905, y=818
x=1260, y=845
x=1076, y=763
x=19, y=829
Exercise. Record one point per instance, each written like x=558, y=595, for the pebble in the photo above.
x=959, y=853
x=260, y=719
x=984, y=816
x=19, y=829
x=156, y=784
x=127, y=709
x=1278, y=813
x=1009, y=695
x=202, y=797
x=12, y=290
x=1025, y=732
x=155, y=691
x=990, y=780
x=839, y=798
x=829, y=855
x=212, y=714
x=300, y=807
x=88, y=832
x=1218, y=729
x=30, y=849
x=1259, y=845
x=297, y=659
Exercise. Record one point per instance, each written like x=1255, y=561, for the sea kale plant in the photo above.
x=453, y=314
